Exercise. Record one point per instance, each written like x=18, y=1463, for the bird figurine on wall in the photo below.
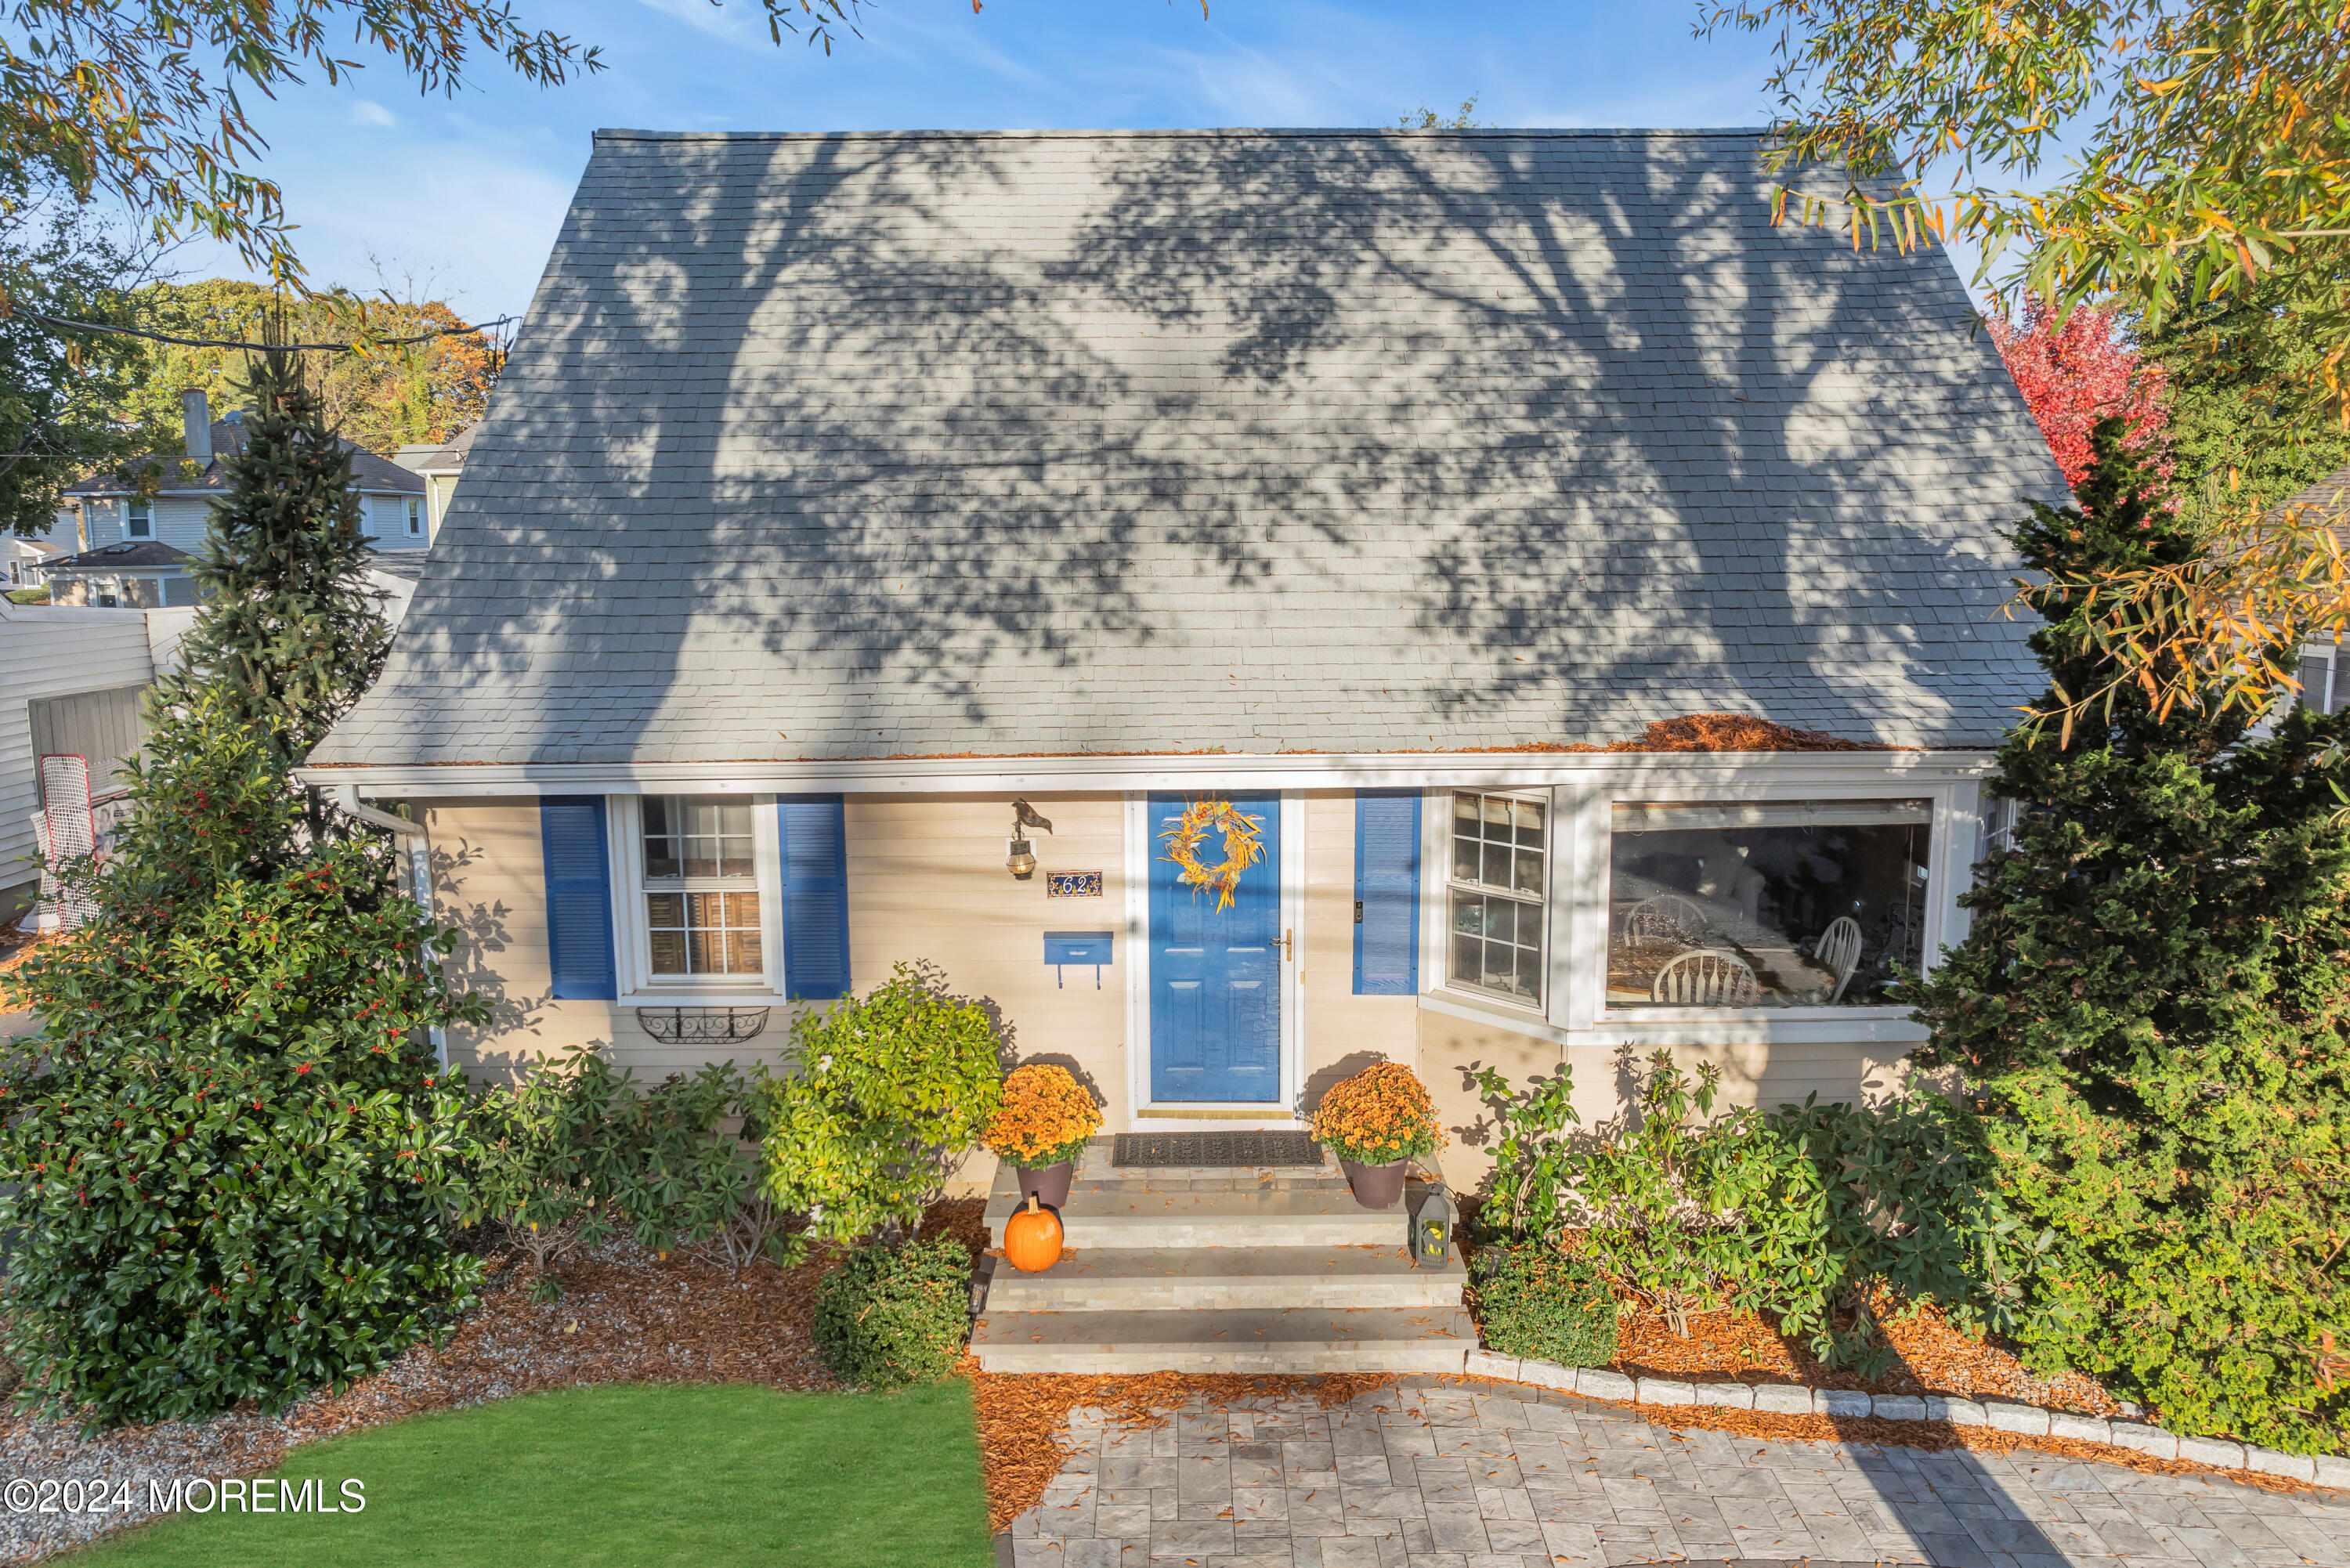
x=1025, y=815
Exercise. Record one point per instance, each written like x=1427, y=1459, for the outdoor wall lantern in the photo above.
x=1019, y=858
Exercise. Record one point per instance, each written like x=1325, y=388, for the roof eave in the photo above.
x=1221, y=770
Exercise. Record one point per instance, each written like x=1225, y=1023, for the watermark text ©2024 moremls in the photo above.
x=190, y=1494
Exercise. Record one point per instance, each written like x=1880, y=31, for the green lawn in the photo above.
x=703, y=1474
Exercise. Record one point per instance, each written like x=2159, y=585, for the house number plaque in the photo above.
x=1073, y=883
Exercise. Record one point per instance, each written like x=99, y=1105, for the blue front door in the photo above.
x=1215, y=976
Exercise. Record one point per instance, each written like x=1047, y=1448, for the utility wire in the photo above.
x=239, y=343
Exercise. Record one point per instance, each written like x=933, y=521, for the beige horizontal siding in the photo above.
x=1451, y=1048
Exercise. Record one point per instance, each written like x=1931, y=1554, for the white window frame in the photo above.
x=1545, y=902
x=2330, y=693
x=1596, y=843
x=415, y=517
x=130, y=507
x=1582, y=818
x=638, y=983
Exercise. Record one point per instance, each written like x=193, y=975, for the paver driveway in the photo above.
x=1436, y=1473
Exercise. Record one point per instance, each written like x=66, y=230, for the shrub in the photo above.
x=1533, y=1299
x=575, y=1152
x=895, y=1313
x=1379, y=1115
x=1046, y=1118
x=2151, y=999
x=1533, y=1152
x=1697, y=1217
x=1804, y=1213
x=232, y=1156
x=884, y=1094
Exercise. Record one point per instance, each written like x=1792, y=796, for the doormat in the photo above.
x=1214, y=1148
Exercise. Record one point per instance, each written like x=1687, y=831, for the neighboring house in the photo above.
x=2325, y=673
x=69, y=682
x=23, y=562
x=165, y=524
x=439, y=465
x=1388, y=487
x=129, y=574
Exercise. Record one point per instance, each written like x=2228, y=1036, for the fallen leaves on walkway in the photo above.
x=1022, y=1416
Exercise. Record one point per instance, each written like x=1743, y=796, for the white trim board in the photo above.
x=1285, y=770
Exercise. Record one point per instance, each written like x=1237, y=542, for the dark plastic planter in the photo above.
x=1376, y=1186
x=1048, y=1184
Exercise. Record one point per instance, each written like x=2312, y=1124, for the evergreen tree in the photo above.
x=232, y=1160
x=291, y=632
x=2152, y=1004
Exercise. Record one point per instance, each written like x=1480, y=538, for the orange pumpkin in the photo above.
x=1032, y=1237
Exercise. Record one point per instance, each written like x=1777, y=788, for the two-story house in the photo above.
x=138, y=540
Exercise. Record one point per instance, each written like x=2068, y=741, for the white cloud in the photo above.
x=366, y=113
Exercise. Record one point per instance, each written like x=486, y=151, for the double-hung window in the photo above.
x=1496, y=926
x=415, y=518
x=137, y=519
x=700, y=891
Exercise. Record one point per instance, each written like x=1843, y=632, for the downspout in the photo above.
x=419, y=874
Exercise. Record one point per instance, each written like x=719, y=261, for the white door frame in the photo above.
x=1207, y=1116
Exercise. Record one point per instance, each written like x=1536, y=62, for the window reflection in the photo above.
x=1782, y=904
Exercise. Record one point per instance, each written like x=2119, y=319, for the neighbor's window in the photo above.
x=702, y=885
x=1782, y=904
x=2325, y=683
x=138, y=519
x=1500, y=852
x=416, y=519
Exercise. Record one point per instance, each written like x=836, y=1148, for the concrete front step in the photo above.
x=1298, y=1341
x=1166, y=1279
x=1142, y=1220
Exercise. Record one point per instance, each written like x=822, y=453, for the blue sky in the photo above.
x=465, y=194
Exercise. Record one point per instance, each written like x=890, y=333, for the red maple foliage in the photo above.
x=2075, y=374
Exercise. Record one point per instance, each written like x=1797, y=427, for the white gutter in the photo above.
x=412, y=836
x=347, y=796
x=949, y=775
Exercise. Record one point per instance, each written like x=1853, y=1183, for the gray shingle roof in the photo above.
x=368, y=472
x=2326, y=497
x=858, y=445
x=122, y=556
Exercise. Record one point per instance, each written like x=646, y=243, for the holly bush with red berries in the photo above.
x=234, y=1160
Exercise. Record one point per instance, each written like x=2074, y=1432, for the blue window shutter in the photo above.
x=815, y=897
x=1387, y=892
x=578, y=897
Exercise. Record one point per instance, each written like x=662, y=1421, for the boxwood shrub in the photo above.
x=1535, y=1299
x=895, y=1313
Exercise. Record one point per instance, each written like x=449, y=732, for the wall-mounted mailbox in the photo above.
x=1065, y=948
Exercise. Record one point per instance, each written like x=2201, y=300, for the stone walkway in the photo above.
x=1436, y=1473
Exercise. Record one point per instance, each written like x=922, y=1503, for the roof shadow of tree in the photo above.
x=857, y=446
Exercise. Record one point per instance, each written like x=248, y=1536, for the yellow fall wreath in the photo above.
x=1243, y=848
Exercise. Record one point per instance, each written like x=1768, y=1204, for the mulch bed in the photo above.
x=1930, y=1355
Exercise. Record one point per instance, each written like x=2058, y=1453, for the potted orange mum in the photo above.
x=1376, y=1123
x=1042, y=1127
